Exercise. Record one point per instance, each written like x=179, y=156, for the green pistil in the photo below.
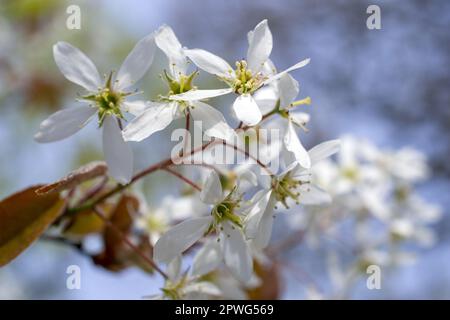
x=184, y=84
x=226, y=211
x=245, y=81
x=107, y=101
x=172, y=290
x=286, y=188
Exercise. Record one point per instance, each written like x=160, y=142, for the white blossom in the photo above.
x=108, y=100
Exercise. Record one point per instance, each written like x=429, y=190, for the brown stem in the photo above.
x=180, y=176
x=262, y=165
x=158, y=166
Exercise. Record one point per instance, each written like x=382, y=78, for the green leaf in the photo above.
x=24, y=216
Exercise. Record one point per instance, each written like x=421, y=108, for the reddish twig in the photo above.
x=180, y=176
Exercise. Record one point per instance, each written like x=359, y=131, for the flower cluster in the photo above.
x=238, y=202
x=226, y=228
x=377, y=214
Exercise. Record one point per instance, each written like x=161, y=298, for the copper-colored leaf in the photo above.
x=24, y=216
x=116, y=252
x=76, y=177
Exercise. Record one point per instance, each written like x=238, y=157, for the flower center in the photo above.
x=245, y=81
x=107, y=101
x=225, y=210
x=286, y=188
x=182, y=85
x=172, y=290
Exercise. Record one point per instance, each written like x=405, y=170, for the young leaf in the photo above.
x=87, y=172
x=24, y=216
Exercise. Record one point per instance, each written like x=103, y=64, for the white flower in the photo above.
x=160, y=114
x=108, y=100
x=181, y=285
x=156, y=220
x=250, y=74
x=282, y=99
x=224, y=221
x=293, y=184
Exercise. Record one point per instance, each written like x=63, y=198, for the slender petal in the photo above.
x=299, y=118
x=118, y=153
x=293, y=144
x=167, y=41
x=135, y=107
x=174, y=268
x=236, y=253
x=264, y=234
x=260, y=46
x=246, y=110
x=266, y=98
x=282, y=73
x=180, y=238
x=324, y=150
x=207, y=259
x=193, y=95
x=64, y=123
x=136, y=63
x=212, y=121
x=212, y=189
x=288, y=90
x=202, y=287
x=76, y=66
x=255, y=215
x=210, y=63
x=313, y=195
x=153, y=119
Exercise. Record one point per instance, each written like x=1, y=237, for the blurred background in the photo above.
x=391, y=86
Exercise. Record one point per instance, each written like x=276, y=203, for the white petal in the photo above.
x=200, y=94
x=76, y=66
x=64, y=123
x=313, y=195
x=236, y=252
x=260, y=46
x=324, y=150
x=264, y=234
x=180, y=238
x=212, y=189
x=247, y=179
x=136, y=63
x=266, y=98
x=167, y=41
x=253, y=219
x=202, y=287
x=299, y=118
x=153, y=119
x=293, y=144
x=118, y=153
x=174, y=268
x=282, y=73
x=288, y=89
x=246, y=110
x=207, y=259
x=134, y=107
x=212, y=121
x=210, y=62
